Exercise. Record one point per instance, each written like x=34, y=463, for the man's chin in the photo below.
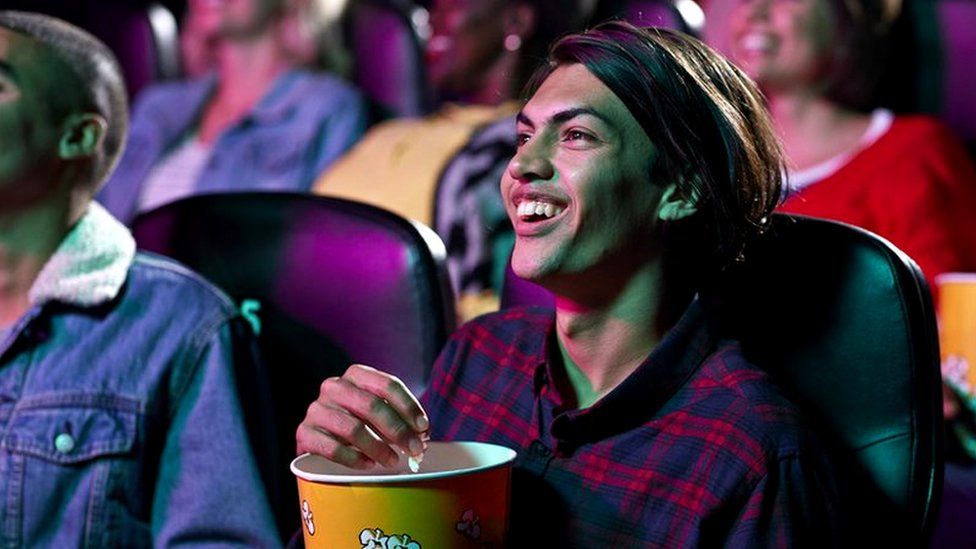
x=529, y=274
x=532, y=270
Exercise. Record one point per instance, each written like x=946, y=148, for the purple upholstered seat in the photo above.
x=388, y=54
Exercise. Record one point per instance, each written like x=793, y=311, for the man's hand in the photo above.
x=359, y=417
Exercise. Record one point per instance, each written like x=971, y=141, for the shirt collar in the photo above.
x=645, y=391
x=281, y=98
x=171, y=122
x=90, y=265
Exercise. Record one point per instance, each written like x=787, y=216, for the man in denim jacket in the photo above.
x=120, y=423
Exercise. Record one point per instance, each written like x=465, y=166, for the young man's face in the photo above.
x=29, y=131
x=579, y=190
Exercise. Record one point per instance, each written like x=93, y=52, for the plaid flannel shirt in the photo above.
x=696, y=448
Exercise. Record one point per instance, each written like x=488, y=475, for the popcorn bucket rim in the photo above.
x=502, y=457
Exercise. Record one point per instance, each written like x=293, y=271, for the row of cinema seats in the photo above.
x=932, y=58
x=384, y=36
x=327, y=281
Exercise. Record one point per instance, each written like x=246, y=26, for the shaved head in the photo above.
x=80, y=76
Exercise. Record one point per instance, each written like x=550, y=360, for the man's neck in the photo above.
x=27, y=241
x=248, y=65
x=603, y=343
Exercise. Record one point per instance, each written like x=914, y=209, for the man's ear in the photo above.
x=675, y=205
x=82, y=136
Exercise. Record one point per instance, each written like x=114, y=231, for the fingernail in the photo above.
x=422, y=423
x=416, y=447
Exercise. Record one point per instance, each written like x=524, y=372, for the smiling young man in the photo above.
x=645, y=163
x=119, y=420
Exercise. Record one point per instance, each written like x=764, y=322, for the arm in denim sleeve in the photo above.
x=793, y=505
x=209, y=490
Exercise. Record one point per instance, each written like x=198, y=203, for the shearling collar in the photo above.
x=90, y=265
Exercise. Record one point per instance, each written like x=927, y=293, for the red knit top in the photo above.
x=915, y=186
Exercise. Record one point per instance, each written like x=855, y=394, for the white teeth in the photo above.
x=534, y=207
x=756, y=42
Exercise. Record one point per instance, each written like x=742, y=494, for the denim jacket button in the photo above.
x=64, y=443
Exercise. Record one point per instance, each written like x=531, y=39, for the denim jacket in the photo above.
x=120, y=425
x=301, y=125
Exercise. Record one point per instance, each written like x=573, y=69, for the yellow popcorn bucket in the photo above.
x=957, y=329
x=458, y=498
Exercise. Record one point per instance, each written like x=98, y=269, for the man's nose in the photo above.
x=532, y=161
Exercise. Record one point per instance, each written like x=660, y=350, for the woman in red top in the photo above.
x=903, y=177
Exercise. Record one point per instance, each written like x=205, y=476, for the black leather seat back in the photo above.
x=845, y=321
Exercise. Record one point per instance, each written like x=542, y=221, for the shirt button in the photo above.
x=64, y=443
x=539, y=449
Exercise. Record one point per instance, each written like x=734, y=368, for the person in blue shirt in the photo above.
x=260, y=120
x=120, y=423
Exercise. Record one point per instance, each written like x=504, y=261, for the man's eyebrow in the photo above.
x=520, y=118
x=564, y=116
x=569, y=114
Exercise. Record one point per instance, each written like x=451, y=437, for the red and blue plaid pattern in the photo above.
x=695, y=448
